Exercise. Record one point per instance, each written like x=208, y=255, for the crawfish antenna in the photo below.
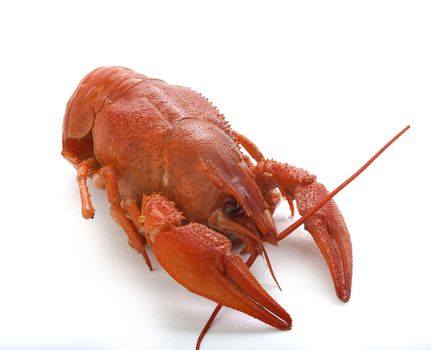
x=300, y=221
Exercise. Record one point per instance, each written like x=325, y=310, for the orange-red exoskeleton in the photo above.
x=177, y=179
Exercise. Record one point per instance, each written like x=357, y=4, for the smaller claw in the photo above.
x=326, y=224
x=200, y=259
x=330, y=233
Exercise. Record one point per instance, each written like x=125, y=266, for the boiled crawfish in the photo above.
x=177, y=180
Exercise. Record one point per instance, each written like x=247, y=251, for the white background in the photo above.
x=321, y=85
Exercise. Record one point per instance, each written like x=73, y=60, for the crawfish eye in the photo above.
x=232, y=208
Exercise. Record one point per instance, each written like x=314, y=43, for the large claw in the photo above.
x=200, y=259
x=330, y=233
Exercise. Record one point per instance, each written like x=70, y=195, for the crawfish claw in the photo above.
x=330, y=233
x=326, y=225
x=200, y=259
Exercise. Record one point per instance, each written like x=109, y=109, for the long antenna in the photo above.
x=300, y=221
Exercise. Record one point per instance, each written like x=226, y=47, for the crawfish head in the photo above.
x=220, y=188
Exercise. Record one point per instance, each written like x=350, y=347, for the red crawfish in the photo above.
x=177, y=180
